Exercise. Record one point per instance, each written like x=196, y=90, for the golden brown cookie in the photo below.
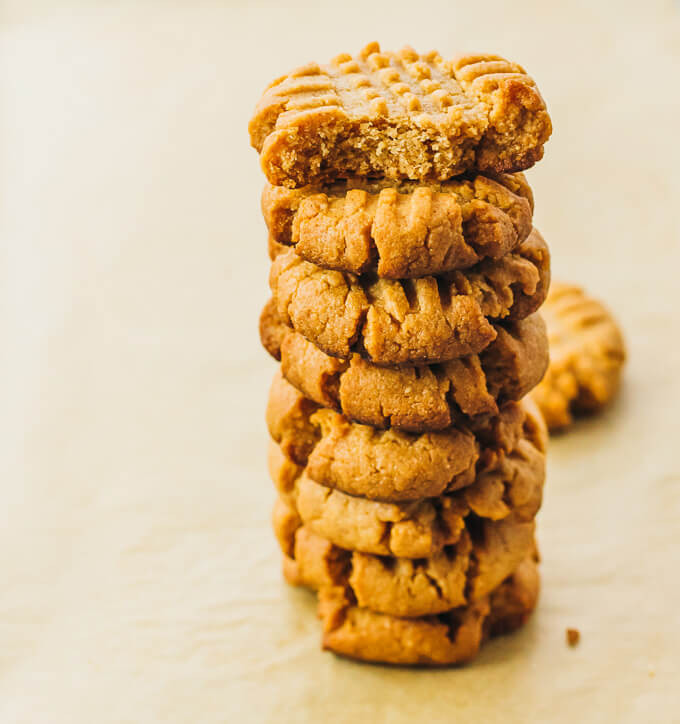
x=431, y=319
x=486, y=553
x=388, y=464
x=587, y=354
x=360, y=460
x=453, y=637
x=413, y=398
x=512, y=485
x=401, y=230
x=400, y=116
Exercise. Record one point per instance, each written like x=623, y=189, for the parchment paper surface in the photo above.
x=139, y=579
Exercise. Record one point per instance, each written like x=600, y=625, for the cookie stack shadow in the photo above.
x=406, y=276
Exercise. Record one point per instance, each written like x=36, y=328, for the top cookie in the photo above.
x=399, y=115
x=401, y=230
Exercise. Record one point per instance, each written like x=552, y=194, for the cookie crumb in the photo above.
x=573, y=636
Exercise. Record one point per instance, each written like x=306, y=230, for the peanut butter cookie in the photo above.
x=388, y=464
x=360, y=460
x=483, y=557
x=587, y=354
x=512, y=485
x=400, y=116
x=449, y=638
x=413, y=398
x=401, y=230
x=431, y=319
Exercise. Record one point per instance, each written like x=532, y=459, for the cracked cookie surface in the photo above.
x=401, y=230
x=413, y=398
x=511, y=485
x=399, y=115
x=450, y=638
x=388, y=464
x=485, y=554
x=587, y=354
x=430, y=319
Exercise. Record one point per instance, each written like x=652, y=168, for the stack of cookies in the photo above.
x=405, y=279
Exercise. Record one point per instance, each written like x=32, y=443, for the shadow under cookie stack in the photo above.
x=405, y=279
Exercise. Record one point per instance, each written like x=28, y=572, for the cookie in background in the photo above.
x=587, y=355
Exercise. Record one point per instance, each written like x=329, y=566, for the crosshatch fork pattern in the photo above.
x=379, y=83
x=432, y=110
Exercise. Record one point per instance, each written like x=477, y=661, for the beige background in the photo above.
x=139, y=581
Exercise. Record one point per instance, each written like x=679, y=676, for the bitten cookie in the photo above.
x=431, y=319
x=485, y=554
x=400, y=116
x=388, y=464
x=401, y=230
x=450, y=638
x=413, y=398
x=587, y=354
x=512, y=485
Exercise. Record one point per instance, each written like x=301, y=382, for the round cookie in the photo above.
x=450, y=638
x=399, y=115
x=400, y=230
x=413, y=398
x=486, y=553
x=511, y=486
x=388, y=464
x=587, y=354
x=361, y=460
x=430, y=319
